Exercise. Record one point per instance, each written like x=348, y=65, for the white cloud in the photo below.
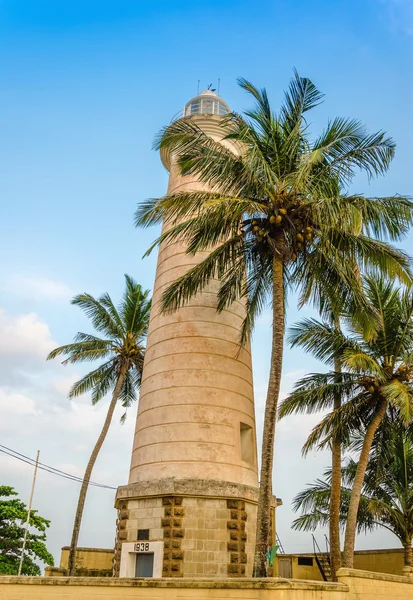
x=16, y=404
x=37, y=287
x=24, y=335
x=25, y=342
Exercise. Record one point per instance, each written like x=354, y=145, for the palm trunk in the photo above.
x=351, y=526
x=88, y=472
x=270, y=417
x=408, y=554
x=335, y=498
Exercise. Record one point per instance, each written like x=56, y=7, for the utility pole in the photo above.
x=28, y=514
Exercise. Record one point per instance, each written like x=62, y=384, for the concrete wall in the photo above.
x=377, y=561
x=353, y=585
x=380, y=561
x=364, y=585
x=90, y=562
x=89, y=558
x=39, y=588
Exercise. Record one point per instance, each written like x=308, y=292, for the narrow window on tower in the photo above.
x=143, y=534
x=247, y=443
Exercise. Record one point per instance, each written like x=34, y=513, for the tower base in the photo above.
x=192, y=528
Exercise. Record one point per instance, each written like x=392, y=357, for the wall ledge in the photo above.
x=272, y=583
x=343, y=573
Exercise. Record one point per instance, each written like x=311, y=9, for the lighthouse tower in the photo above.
x=189, y=508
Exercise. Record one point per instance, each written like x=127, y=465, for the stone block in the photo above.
x=176, y=544
x=234, y=557
x=189, y=523
x=123, y=514
x=167, y=533
x=188, y=544
x=222, y=513
x=166, y=522
x=211, y=569
x=166, y=554
x=175, y=566
x=167, y=544
x=151, y=502
x=232, y=547
x=242, y=546
x=177, y=522
x=233, y=525
x=234, y=535
x=122, y=535
x=243, y=558
x=242, y=569
x=211, y=545
x=168, y=512
x=177, y=555
x=243, y=536
x=176, y=574
x=199, y=545
x=167, y=501
x=155, y=534
x=234, y=514
x=178, y=500
x=243, y=515
x=178, y=533
x=233, y=569
x=222, y=533
x=189, y=569
x=201, y=557
x=179, y=512
x=191, y=502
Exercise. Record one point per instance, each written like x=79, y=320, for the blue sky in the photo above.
x=84, y=87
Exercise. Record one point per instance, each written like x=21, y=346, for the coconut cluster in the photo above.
x=298, y=233
x=404, y=373
x=370, y=384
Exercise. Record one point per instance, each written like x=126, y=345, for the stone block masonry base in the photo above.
x=200, y=536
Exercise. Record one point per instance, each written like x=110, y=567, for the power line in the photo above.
x=49, y=469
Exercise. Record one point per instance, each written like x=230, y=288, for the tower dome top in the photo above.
x=206, y=103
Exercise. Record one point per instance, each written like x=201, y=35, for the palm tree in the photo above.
x=276, y=216
x=387, y=496
x=377, y=376
x=122, y=350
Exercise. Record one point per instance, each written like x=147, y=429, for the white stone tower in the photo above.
x=189, y=508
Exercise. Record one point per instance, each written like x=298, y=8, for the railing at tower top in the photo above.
x=202, y=106
x=322, y=559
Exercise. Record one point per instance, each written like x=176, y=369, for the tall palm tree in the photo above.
x=122, y=349
x=377, y=376
x=277, y=216
x=387, y=495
